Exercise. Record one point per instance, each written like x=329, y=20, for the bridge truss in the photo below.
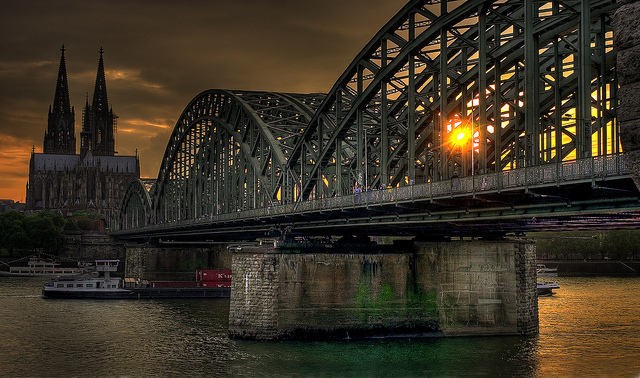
x=532, y=81
x=446, y=90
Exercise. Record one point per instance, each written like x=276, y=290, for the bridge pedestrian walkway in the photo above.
x=473, y=197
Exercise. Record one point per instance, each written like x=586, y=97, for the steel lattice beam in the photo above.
x=420, y=77
x=533, y=81
x=229, y=151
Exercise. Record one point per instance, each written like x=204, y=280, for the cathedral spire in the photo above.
x=98, y=121
x=60, y=136
x=100, y=100
x=61, y=100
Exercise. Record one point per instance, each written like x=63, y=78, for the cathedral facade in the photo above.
x=93, y=180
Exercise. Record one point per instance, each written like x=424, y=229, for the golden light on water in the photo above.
x=582, y=324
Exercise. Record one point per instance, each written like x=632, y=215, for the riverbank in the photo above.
x=574, y=268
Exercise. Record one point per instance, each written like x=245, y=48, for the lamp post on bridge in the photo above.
x=462, y=137
x=366, y=163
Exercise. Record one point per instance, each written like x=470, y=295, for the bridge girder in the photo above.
x=137, y=204
x=534, y=82
x=228, y=152
x=382, y=123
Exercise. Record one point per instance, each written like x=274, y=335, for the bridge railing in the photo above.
x=588, y=169
x=584, y=169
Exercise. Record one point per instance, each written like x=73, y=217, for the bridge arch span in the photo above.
x=530, y=86
x=137, y=205
x=533, y=82
x=228, y=152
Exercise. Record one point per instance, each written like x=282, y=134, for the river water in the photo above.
x=589, y=328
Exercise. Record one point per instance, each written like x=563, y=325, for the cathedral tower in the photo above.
x=60, y=137
x=99, y=122
x=95, y=180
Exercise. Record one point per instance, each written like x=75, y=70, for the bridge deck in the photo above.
x=584, y=193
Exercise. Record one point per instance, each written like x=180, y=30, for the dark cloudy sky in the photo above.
x=160, y=54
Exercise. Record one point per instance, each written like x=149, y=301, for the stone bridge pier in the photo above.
x=627, y=41
x=173, y=263
x=467, y=287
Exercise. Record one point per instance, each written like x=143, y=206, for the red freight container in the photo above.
x=175, y=284
x=216, y=284
x=213, y=275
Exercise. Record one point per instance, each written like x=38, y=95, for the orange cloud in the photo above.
x=132, y=77
x=142, y=122
x=14, y=167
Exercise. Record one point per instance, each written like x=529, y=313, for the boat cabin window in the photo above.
x=80, y=285
x=69, y=285
x=60, y=285
x=90, y=285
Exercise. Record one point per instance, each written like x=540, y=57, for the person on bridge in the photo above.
x=455, y=182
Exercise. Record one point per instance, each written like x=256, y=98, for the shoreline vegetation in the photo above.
x=610, y=245
x=42, y=232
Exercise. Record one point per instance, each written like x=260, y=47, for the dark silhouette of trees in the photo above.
x=41, y=232
x=588, y=245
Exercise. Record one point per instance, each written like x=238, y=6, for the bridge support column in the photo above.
x=427, y=289
x=149, y=262
x=626, y=36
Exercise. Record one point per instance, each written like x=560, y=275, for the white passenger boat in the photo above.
x=103, y=286
x=37, y=267
x=107, y=287
x=546, y=288
x=543, y=271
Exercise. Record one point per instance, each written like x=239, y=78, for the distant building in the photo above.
x=94, y=180
x=11, y=205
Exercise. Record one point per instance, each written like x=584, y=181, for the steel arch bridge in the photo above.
x=447, y=91
x=229, y=151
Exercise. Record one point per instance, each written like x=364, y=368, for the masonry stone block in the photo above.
x=626, y=36
x=628, y=65
x=626, y=23
x=629, y=98
x=173, y=264
x=632, y=162
x=457, y=288
x=630, y=134
x=90, y=246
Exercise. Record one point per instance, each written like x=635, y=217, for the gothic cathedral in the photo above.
x=94, y=180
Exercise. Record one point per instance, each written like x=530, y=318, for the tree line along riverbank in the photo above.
x=43, y=231
x=622, y=245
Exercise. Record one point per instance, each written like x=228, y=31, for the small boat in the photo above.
x=107, y=287
x=88, y=286
x=546, y=288
x=37, y=267
x=543, y=271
